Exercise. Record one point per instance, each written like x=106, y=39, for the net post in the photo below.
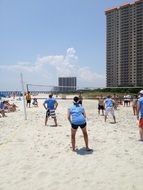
x=22, y=85
x=27, y=87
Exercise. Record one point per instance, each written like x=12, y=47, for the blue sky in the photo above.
x=47, y=39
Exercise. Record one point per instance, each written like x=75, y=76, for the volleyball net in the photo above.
x=36, y=89
x=46, y=89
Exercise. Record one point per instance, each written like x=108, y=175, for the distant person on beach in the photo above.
x=134, y=104
x=80, y=98
x=77, y=118
x=128, y=99
x=2, y=109
x=13, y=94
x=125, y=100
x=28, y=99
x=9, y=107
x=116, y=101
x=101, y=104
x=50, y=105
x=109, y=108
x=35, y=102
x=140, y=114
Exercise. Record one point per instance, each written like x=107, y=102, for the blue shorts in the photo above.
x=76, y=126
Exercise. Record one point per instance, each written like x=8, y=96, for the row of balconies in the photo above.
x=126, y=58
x=123, y=21
x=135, y=48
x=134, y=27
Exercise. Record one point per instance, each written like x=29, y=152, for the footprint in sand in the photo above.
x=26, y=167
x=42, y=174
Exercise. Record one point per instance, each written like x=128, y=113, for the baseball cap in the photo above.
x=141, y=92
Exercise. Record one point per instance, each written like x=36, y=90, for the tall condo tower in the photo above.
x=124, y=45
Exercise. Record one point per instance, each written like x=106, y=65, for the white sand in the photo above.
x=35, y=157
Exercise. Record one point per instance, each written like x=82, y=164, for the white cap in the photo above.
x=141, y=92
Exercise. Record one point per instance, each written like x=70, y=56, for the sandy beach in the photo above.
x=38, y=157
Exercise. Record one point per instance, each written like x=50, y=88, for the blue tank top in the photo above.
x=140, y=101
x=108, y=103
x=76, y=112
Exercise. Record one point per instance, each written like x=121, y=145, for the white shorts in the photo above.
x=109, y=110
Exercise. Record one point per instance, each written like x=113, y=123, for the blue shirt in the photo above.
x=77, y=117
x=108, y=103
x=140, y=102
x=1, y=105
x=50, y=103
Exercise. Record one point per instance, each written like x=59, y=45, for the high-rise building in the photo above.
x=67, y=84
x=124, y=45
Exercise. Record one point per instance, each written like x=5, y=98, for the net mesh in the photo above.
x=36, y=89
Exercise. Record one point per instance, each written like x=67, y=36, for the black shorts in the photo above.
x=76, y=126
x=100, y=107
x=28, y=101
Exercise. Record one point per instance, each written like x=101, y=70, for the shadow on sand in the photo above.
x=54, y=125
x=83, y=151
x=113, y=122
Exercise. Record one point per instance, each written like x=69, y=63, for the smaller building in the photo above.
x=67, y=84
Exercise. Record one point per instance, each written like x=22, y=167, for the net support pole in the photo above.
x=27, y=87
x=24, y=105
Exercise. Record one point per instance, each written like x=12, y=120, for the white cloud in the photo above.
x=47, y=69
x=90, y=76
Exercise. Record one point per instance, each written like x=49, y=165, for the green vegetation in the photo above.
x=95, y=93
x=110, y=91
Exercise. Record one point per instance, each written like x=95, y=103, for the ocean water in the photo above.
x=10, y=93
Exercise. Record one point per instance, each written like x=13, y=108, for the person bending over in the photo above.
x=77, y=118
